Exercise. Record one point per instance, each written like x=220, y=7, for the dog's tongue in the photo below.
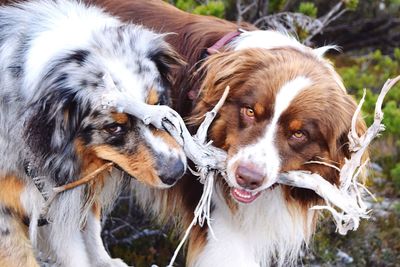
x=244, y=196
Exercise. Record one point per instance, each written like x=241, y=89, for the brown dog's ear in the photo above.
x=339, y=148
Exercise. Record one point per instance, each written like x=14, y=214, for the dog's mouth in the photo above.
x=244, y=196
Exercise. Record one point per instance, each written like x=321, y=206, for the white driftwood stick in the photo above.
x=351, y=213
x=163, y=117
x=358, y=145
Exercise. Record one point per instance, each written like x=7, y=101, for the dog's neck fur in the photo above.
x=269, y=231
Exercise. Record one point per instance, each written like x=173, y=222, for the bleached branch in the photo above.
x=323, y=163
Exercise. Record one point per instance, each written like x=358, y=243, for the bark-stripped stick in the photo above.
x=84, y=180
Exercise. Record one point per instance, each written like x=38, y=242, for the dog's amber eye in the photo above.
x=248, y=111
x=299, y=135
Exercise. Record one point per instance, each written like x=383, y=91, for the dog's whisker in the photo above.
x=323, y=163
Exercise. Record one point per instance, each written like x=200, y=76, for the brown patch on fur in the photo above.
x=120, y=118
x=295, y=125
x=11, y=189
x=90, y=163
x=15, y=247
x=139, y=165
x=152, y=97
x=259, y=109
x=96, y=210
x=232, y=204
x=306, y=214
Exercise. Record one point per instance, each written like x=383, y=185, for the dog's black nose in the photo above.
x=171, y=171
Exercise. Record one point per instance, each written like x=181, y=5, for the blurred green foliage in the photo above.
x=211, y=8
x=308, y=8
x=351, y=4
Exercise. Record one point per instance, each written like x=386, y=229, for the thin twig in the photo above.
x=84, y=180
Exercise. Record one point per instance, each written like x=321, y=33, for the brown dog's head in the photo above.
x=286, y=108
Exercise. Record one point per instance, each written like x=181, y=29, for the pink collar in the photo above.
x=227, y=38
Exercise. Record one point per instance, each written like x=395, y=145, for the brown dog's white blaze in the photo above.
x=301, y=114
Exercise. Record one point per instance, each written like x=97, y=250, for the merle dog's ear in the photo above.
x=167, y=61
x=52, y=130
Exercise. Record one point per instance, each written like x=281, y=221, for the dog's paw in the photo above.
x=162, y=115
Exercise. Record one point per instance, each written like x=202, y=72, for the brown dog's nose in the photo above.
x=249, y=177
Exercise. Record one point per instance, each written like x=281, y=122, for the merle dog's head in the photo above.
x=73, y=134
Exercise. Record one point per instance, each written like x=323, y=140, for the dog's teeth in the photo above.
x=249, y=195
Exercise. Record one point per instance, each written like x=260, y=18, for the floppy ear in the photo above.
x=339, y=147
x=51, y=132
x=167, y=61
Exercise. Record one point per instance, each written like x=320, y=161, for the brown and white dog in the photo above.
x=287, y=106
x=54, y=57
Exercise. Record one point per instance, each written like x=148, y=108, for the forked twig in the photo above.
x=83, y=180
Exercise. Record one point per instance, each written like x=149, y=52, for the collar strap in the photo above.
x=227, y=38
